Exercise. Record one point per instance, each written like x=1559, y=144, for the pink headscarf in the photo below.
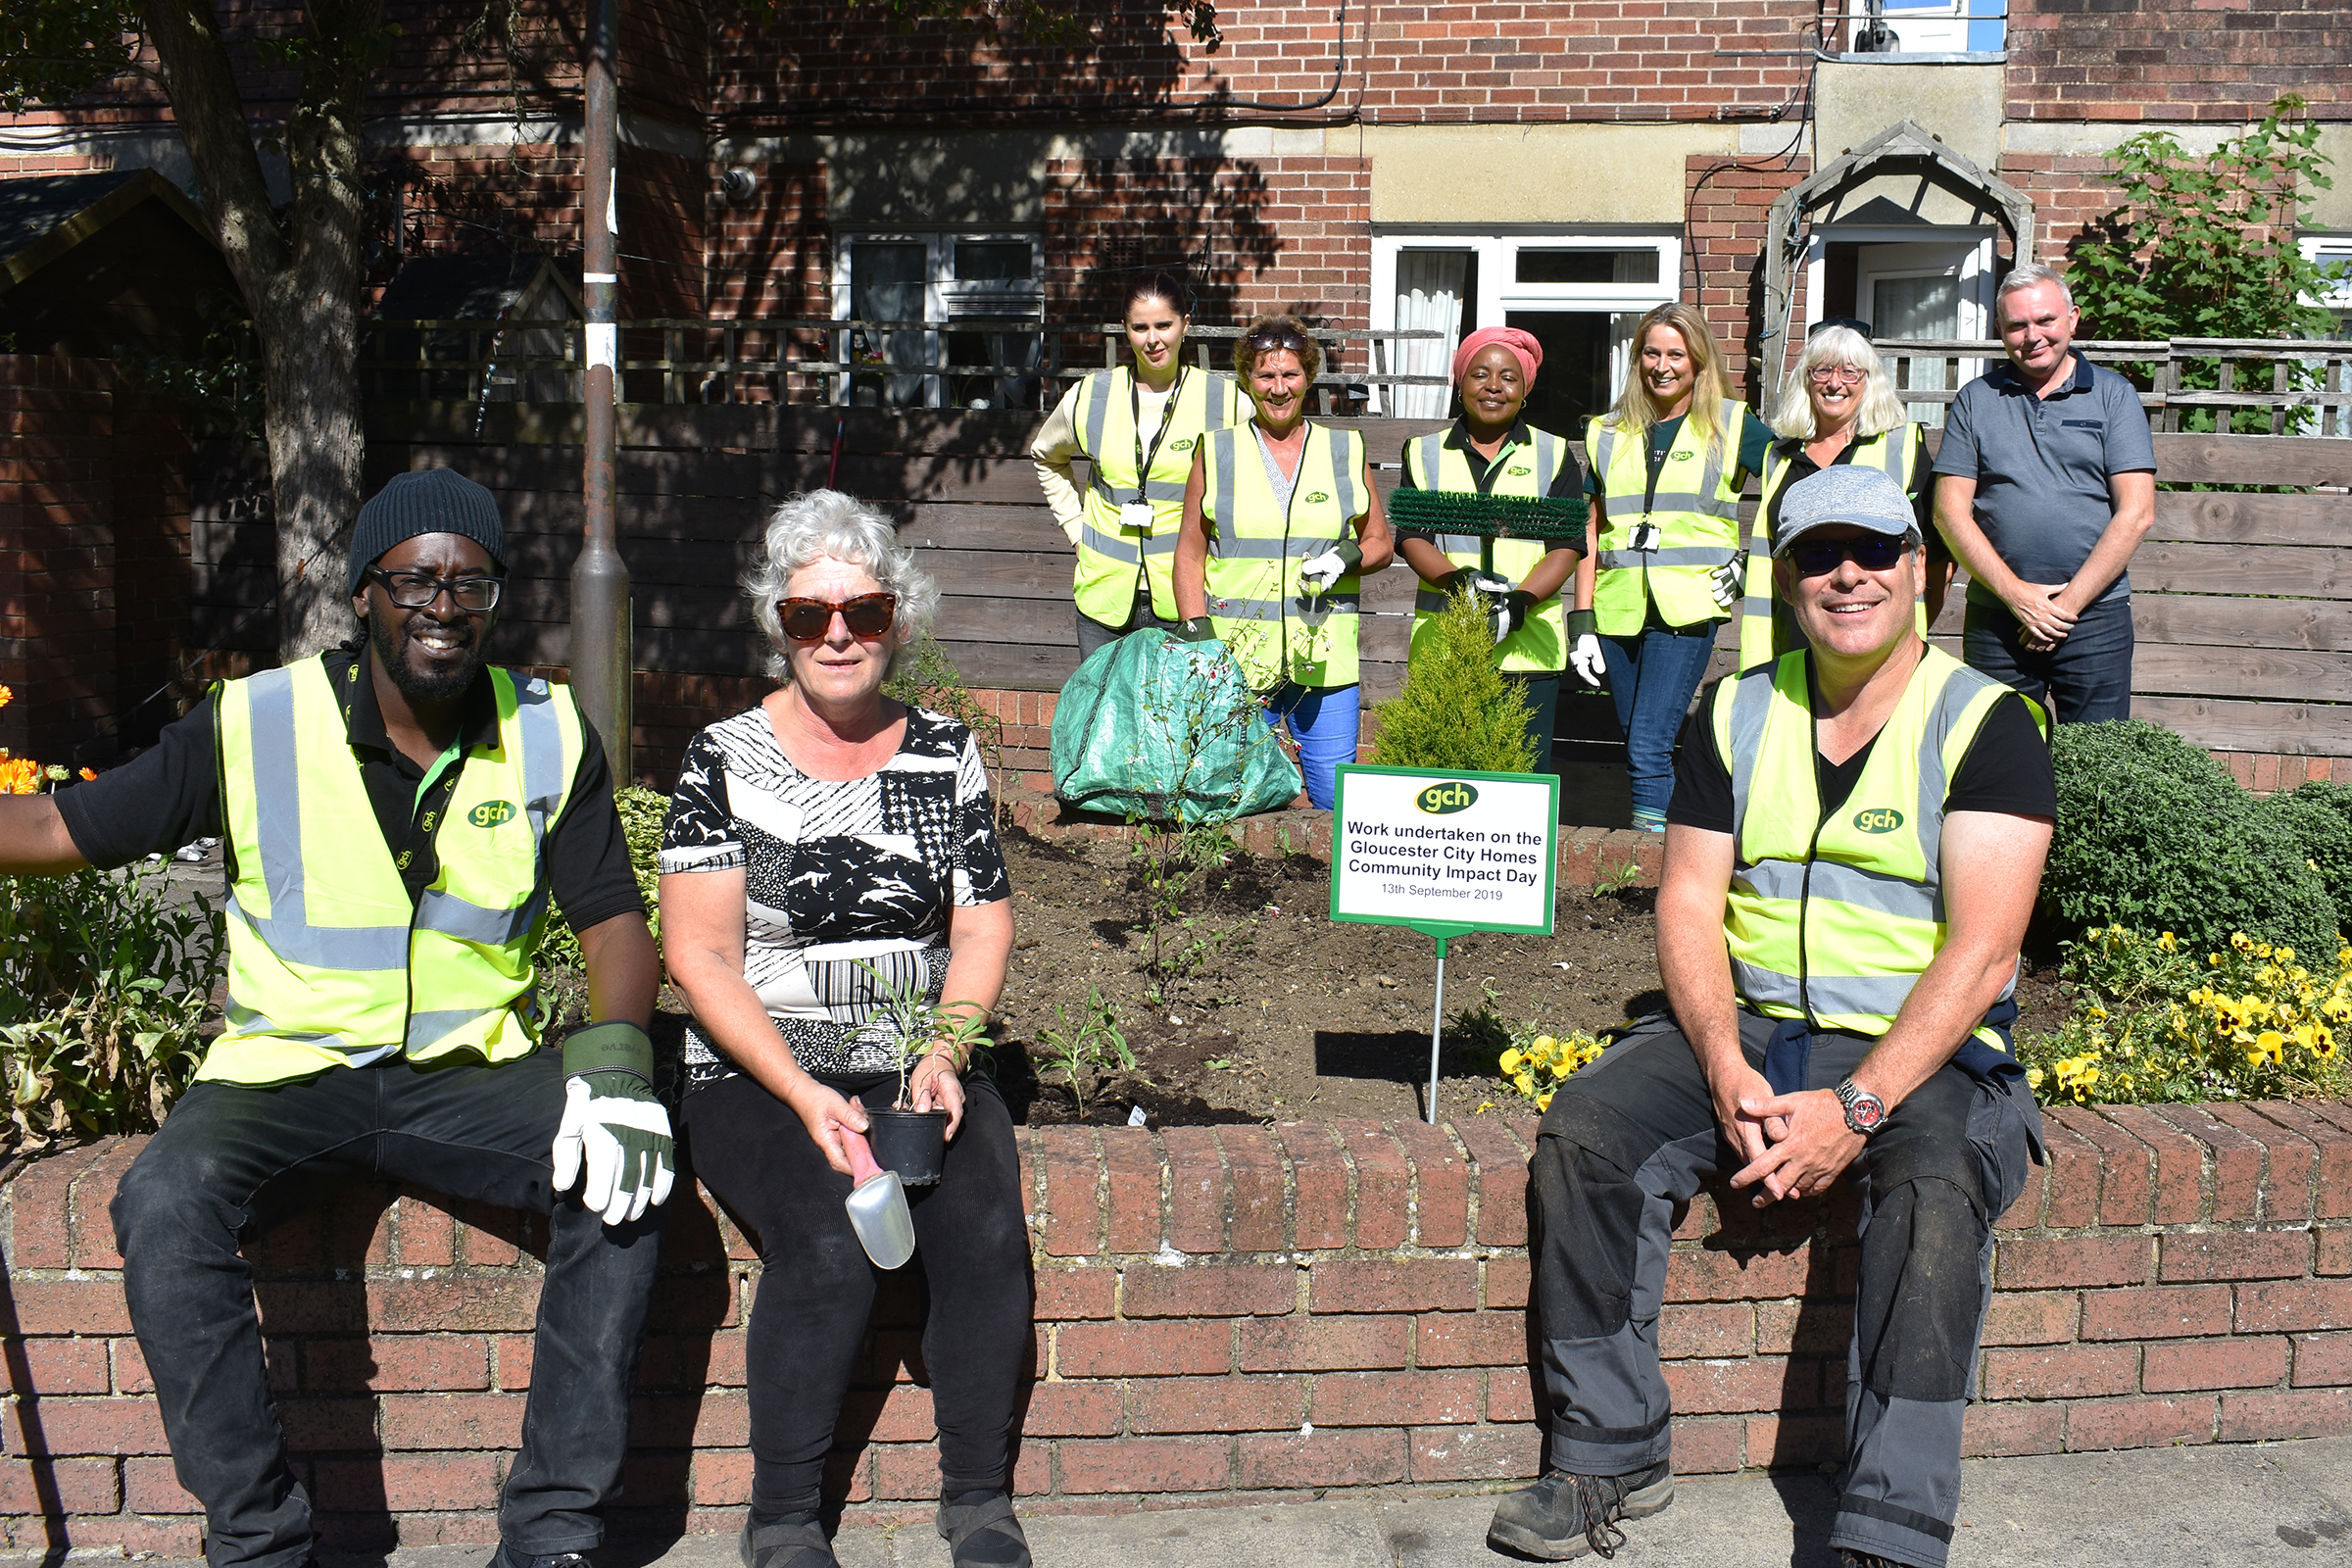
x=1523, y=346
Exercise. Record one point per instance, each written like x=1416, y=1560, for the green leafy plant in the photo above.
x=2204, y=247
x=1615, y=881
x=2154, y=835
x=926, y=677
x=1527, y=1058
x=642, y=813
x=105, y=986
x=1088, y=1045
x=2154, y=1021
x=909, y=1024
x=1456, y=711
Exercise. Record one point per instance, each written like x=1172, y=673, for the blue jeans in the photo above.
x=230, y=1162
x=1324, y=721
x=2086, y=679
x=1653, y=678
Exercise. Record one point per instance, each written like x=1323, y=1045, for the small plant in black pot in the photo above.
x=914, y=1143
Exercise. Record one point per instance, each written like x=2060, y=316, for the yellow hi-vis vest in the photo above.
x=328, y=962
x=1890, y=451
x=1834, y=918
x=1541, y=645
x=1695, y=511
x=1111, y=558
x=1277, y=631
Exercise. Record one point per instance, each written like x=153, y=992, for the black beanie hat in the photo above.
x=426, y=501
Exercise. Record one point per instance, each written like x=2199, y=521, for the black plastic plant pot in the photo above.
x=912, y=1142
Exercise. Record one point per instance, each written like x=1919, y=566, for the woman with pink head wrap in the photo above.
x=1491, y=450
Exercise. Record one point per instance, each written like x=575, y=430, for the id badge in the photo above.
x=1136, y=515
x=1646, y=536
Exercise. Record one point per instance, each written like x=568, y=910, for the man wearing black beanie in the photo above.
x=398, y=815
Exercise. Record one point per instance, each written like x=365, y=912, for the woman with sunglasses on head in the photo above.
x=822, y=850
x=1668, y=461
x=1281, y=524
x=1492, y=451
x=1136, y=426
x=1840, y=407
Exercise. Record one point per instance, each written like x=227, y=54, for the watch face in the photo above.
x=1864, y=1112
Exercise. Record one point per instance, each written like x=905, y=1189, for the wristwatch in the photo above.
x=1865, y=1112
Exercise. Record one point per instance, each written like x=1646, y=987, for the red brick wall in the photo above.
x=2178, y=1275
x=57, y=552
x=1729, y=204
x=2173, y=60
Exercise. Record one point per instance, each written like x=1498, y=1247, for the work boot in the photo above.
x=508, y=1557
x=1563, y=1515
x=1851, y=1558
x=981, y=1531
x=796, y=1543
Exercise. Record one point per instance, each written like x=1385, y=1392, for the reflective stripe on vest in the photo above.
x=1889, y=450
x=330, y=962
x=1276, y=631
x=1106, y=579
x=1833, y=916
x=1695, y=511
x=1541, y=645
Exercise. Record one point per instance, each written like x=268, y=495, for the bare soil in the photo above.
x=1264, y=1009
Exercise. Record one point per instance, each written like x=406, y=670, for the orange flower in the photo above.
x=19, y=775
x=6, y=695
x=88, y=773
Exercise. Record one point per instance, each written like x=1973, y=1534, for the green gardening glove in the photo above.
x=614, y=1129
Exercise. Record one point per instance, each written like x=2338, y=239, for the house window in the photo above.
x=1927, y=27
x=1578, y=293
x=1936, y=290
x=944, y=320
x=2334, y=251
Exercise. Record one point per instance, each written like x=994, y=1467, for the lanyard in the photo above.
x=1135, y=417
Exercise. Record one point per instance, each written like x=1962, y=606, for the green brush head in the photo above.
x=1487, y=517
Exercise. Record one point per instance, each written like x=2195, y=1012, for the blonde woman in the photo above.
x=1667, y=463
x=1839, y=406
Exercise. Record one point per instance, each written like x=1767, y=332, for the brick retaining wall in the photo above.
x=1224, y=1315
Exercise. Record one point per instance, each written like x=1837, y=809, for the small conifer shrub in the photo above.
x=1458, y=712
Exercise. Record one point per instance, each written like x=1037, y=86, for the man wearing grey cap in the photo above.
x=398, y=813
x=1852, y=853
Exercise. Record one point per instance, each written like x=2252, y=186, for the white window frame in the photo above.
x=1498, y=290
x=943, y=297
x=1970, y=257
x=2325, y=249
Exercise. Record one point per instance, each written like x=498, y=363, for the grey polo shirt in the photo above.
x=2041, y=466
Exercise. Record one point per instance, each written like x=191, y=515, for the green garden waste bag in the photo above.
x=1166, y=730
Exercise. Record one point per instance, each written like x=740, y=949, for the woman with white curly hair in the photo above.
x=1839, y=406
x=823, y=848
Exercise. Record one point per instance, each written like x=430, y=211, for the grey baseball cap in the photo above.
x=1848, y=493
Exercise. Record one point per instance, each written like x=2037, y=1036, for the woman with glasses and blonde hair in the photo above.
x=826, y=851
x=1281, y=525
x=1839, y=406
x=1667, y=463
x=1136, y=425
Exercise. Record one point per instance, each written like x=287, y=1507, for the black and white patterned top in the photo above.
x=836, y=874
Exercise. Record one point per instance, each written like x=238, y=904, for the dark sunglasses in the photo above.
x=1275, y=337
x=416, y=589
x=1871, y=552
x=806, y=620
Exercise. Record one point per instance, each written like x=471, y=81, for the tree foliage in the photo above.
x=54, y=50
x=1039, y=20
x=2204, y=247
x=1457, y=710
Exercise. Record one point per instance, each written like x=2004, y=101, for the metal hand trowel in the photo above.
x=877, y=1207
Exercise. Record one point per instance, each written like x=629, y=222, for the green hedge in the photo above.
x=2154, y=835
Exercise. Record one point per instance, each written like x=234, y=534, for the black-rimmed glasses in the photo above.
x=416, y=589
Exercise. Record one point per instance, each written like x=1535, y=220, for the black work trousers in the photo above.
x=816, y=1285
x=230, y=1162
x=1633, y=1135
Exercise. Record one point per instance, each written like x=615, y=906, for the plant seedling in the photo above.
x=915, y=1025
x=1086, y=1049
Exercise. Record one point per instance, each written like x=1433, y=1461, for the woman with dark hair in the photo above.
x=1281, y=524
x=1839, y=406
x=1492, y=451
x=1668, y=461
x=825, y=850
x=1136, y=425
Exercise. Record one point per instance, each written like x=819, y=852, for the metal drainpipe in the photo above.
x=600, y=580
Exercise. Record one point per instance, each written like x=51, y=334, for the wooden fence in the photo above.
x=2245, y=643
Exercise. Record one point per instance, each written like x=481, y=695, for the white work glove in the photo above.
x=1585, y=652
x=1729, y=581
x=614, y=1130
x=1320, y=572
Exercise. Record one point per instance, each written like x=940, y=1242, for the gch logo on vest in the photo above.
x=1444, y=799
x=1319, y=497
x=1878, y=820
x=491, y=813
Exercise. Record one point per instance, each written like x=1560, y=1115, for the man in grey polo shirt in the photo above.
x=2044, y=484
